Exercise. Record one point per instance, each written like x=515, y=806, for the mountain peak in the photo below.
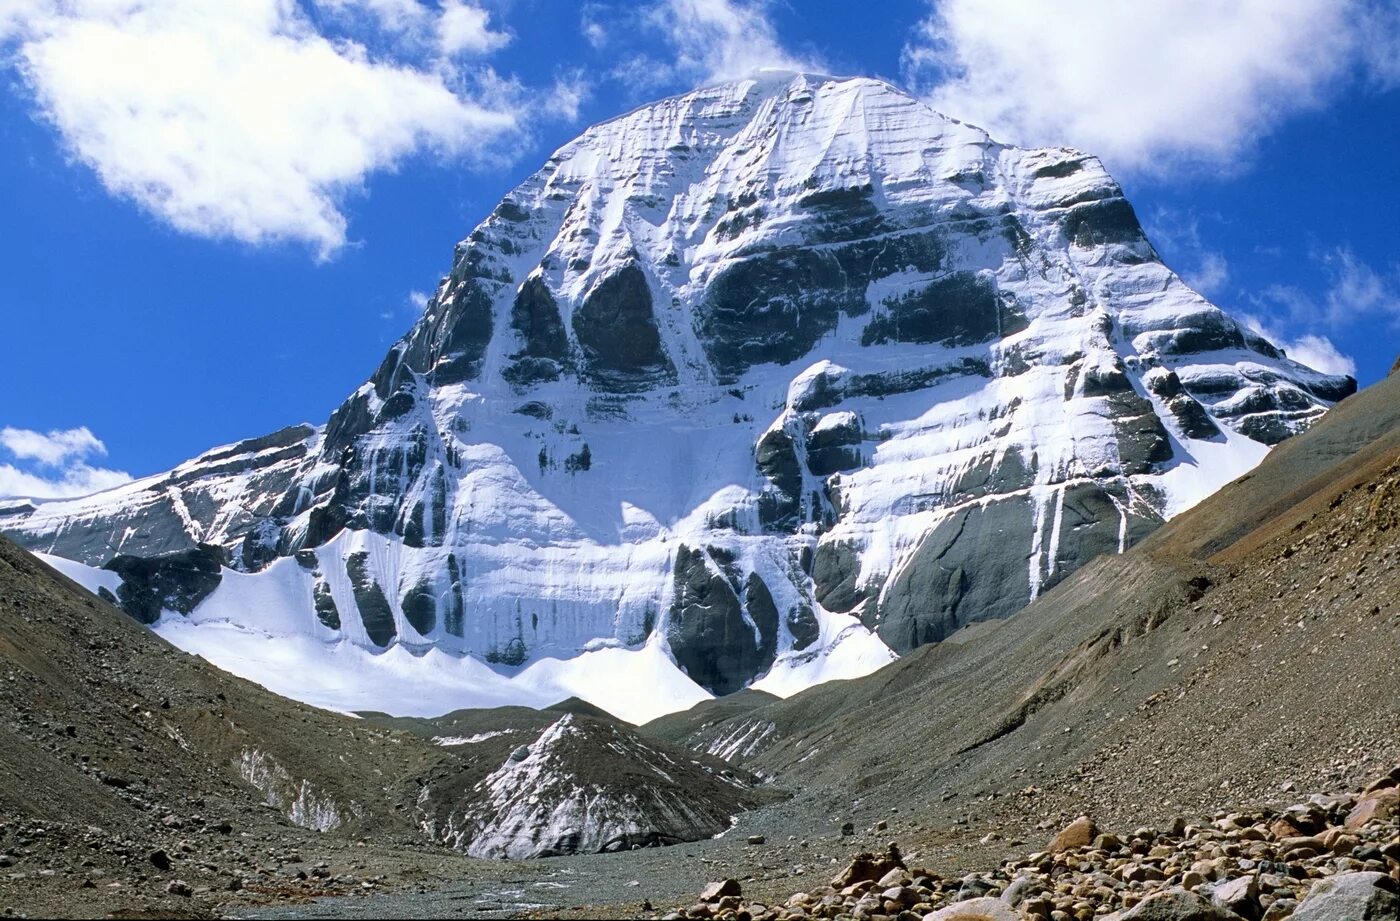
x=753, y=386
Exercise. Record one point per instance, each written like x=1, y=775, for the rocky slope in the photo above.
x=1328, y=858
x=136, y=777
x=744, y=388
x=1251, y=639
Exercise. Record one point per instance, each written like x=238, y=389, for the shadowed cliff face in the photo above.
x=885, y=376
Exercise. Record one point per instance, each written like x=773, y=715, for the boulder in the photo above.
x=1351, y=897
x=1079, y=833
x=1378, y=804
x=1175, y=905
x=867, y=867
x=985, y=909
x=1239, y=895
x=720, y=889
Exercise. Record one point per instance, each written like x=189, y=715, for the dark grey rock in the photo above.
x=710, y=638
x=326, y=611
x=835, y=448
x=835, y=568
x=803, y=625
x=420, y=607
x=959, y=309
x=172, y=581
x=773, y=307
x=616, y=329
x=375, y=612
x=972, y=565
x=1142, y=441
x=780, y=504
x=1109, y=220
x=535, y=317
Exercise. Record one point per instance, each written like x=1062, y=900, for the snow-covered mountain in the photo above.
x=750, y=386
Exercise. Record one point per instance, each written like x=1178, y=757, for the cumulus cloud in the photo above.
x=54, y=465
x=1145, y=86
x=247, y=120
x=465, y=28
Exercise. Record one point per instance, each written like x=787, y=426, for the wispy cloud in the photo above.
x=1178, y=234
x=1354, y=294
x=678, y=44
x=253, y=120
x=717, y=40
x=1146, y=86
x=54, y=465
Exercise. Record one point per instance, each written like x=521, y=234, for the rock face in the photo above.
x=775, y=367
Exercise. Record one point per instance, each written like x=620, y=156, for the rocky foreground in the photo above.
x=1327, y=858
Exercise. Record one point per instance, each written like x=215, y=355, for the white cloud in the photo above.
x=566, y=98
x=591, y=25
x=1211, y=275
x=717, y=40
x=60, y=468
x=1144, y=85
x=52, y=448
x=240, y=119
x=466, y=28
x=1359, y=291
x=1316, y=351
x=1355, y=292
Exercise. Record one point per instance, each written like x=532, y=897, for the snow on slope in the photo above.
x=745, y=387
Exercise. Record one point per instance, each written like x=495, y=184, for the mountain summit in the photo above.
x=747, y=387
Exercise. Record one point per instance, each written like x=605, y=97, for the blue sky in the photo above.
x=217, y=216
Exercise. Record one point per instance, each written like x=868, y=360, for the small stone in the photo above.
x=756, y=839
x=160, y=860
x=179, y=887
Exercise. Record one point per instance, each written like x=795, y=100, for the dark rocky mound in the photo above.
x=569, y=780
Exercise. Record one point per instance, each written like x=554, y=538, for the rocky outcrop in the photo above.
x=721, y=632
x=169, y=582
x=616, y=329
